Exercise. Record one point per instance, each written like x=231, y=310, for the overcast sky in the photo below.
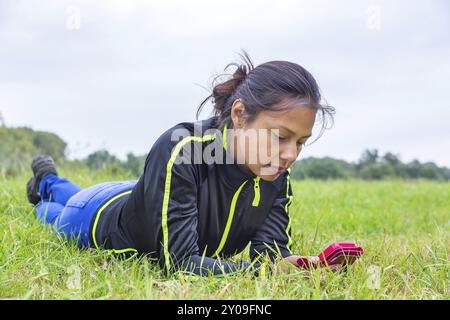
x=116, y=74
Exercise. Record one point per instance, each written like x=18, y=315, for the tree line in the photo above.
x=19, y=145
x=370, y=166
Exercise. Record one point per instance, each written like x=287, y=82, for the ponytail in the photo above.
x=223, y=92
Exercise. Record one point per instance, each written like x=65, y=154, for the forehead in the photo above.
x=300, y=119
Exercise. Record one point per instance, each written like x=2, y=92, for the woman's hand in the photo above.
x=310, y=260
x=287, y=264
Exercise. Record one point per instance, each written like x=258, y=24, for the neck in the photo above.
x=232, y=143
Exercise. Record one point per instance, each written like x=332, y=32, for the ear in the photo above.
x=238, y=114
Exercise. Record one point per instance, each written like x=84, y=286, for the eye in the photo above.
x=279, y=138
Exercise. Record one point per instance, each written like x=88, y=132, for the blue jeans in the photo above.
x=71, y=209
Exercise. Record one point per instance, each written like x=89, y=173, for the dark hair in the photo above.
x=274, y=85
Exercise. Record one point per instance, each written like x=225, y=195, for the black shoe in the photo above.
x=33, y=196
x=42, y=166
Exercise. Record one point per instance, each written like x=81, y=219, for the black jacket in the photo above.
x=190, y=214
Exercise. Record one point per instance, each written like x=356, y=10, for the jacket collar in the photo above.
x=234, y=173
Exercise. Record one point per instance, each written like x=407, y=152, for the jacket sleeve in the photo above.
x=274, y=237
x=171, y=190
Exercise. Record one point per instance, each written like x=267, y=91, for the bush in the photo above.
x=20, y=145
x=371, y=166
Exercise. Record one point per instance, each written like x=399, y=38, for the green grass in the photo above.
x=403, y=227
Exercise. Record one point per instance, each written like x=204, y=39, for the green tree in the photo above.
x=19, y=145
x=50, y=143
x=369, y=156
x=2, y=121
x=16, y=151
x=431, y=171
x=377, y=171
x=394, y=161
x=100, y=159
x=134, y=164
x=322, y=168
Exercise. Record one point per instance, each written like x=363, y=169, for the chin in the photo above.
x=272, y=177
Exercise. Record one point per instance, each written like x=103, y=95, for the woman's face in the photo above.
x=270, y=144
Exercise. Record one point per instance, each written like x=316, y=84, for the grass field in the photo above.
x=403, y=227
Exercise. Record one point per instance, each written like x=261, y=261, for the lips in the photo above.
x=281, y=170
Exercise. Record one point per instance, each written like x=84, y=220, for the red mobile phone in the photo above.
x=337, y=253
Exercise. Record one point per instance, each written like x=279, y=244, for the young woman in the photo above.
x=191, y=213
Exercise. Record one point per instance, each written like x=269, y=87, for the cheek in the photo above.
x=245, y=152
x=244, y=143
x=289, y=153
x=268, y=146
x=248, y=146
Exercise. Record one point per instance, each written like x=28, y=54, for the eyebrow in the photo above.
x=293, y=133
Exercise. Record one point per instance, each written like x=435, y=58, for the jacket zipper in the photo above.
x=230, y=219
x=257, y=193
x=255, y=203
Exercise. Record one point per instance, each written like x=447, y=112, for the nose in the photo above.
x=289, y=153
